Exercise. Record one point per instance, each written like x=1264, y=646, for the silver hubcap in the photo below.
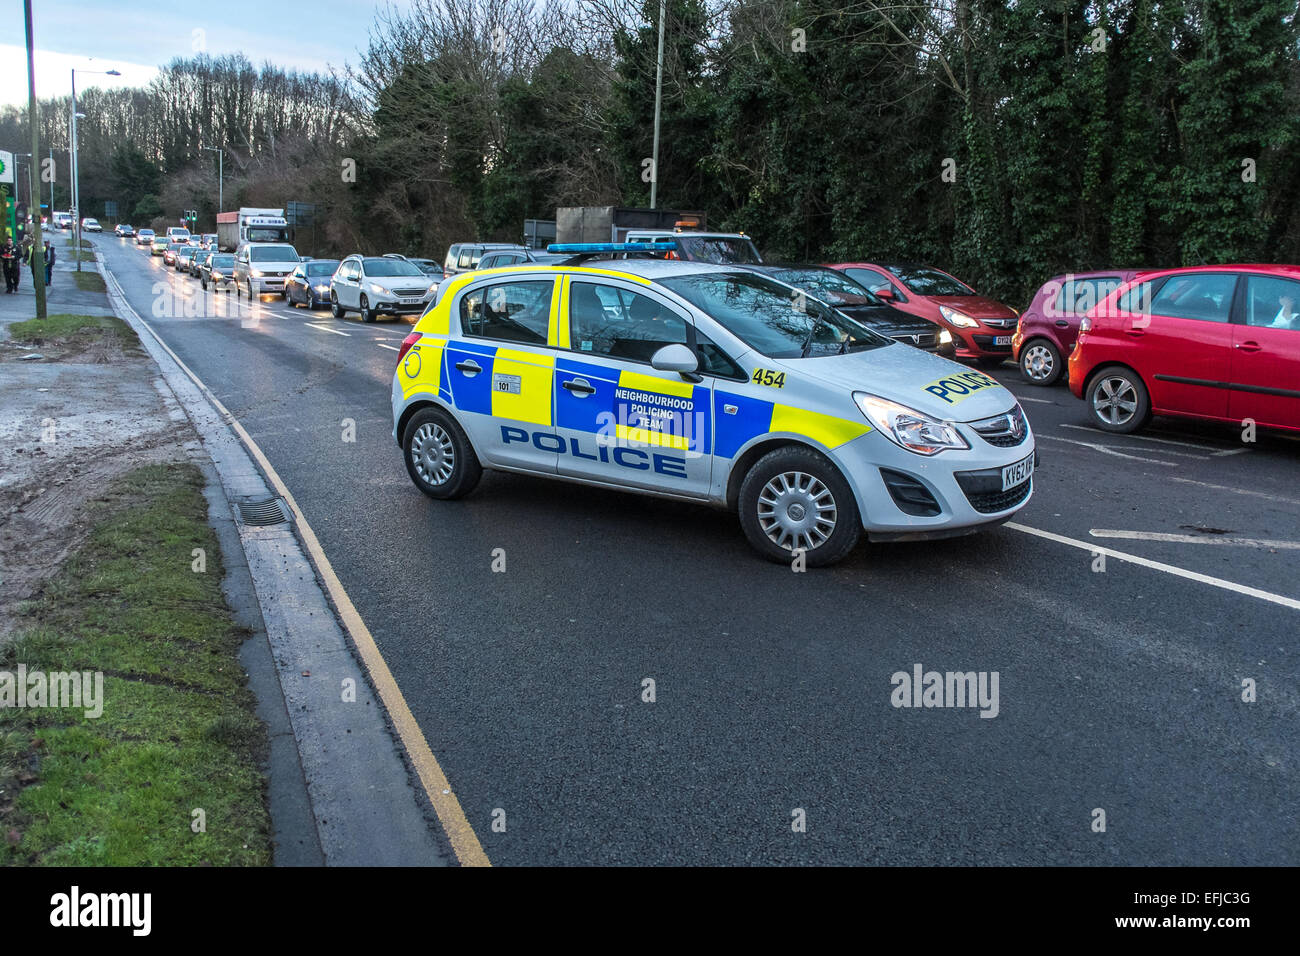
x=1038, y=362
x=433, y=453
x=796, y=510
x=1115, y=401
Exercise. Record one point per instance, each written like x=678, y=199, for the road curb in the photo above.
x=366, y=811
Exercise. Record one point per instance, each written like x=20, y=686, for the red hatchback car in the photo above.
x=1047, y=329
x=1220, y=343
x=980, y=327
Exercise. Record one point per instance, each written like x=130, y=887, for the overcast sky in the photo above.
x=138, y=36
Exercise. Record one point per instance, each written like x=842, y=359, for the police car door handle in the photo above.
x=470, y=367
x=579, y=386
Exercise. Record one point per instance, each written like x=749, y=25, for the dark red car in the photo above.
x=1220, y=343
x=980, y=327
x=1047, y=329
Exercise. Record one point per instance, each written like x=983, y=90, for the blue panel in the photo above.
x=580, y=414
x=753, y=417
x=472, y=393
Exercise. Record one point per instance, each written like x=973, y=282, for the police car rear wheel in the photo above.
x=439, y=457
x=794, y=500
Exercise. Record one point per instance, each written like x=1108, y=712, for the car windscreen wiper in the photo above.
x=808, y=341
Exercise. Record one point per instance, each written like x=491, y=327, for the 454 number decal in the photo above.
x=765, y=376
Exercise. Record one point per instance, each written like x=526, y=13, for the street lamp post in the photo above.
x=221, y=156
x=76, y=186
x=659, y=89
x=38, y=249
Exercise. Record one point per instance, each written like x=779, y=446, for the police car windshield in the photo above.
x=390, y=267
x=772, y=318
x=925, y=281
x=830, y=286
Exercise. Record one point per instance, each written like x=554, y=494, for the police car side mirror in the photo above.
x=675, y=358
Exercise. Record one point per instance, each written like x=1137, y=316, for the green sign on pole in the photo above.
x=9, y=190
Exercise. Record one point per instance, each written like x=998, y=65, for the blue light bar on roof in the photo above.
x=580, y=247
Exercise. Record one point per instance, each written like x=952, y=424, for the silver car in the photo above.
x=379, y=285
x=706, y=383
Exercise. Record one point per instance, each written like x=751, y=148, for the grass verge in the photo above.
x=69, y=327
x=89, y=281
x=178, y=732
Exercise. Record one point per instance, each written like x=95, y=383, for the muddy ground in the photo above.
x=89, y=409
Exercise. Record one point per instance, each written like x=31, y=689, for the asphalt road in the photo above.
x=1119, y=689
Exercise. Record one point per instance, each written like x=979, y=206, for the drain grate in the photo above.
x=263, y=512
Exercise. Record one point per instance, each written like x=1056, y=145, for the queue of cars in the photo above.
x=1219, y=343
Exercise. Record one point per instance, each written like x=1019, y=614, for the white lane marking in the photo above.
x=1240, y=491
x=1041, y=401
x=1088, y=546
x=1194, y=539
x=391, y=348
x=326, y=328
x=1161, y=441
x=1110, y=451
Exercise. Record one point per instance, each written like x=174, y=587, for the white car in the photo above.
x=262, y=267
x=379, y=285
x=91, y=225
x=706, y=383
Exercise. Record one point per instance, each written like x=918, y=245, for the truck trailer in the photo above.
x=250, y=224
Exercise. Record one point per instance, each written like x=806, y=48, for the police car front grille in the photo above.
x=1003, y=431
x=992, y=501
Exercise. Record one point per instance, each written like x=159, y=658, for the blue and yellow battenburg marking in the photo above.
x=741, y=418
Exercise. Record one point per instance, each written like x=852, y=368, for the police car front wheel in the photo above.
x=439, y=457
x=795, y=505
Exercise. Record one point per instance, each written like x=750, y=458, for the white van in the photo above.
x=263, y=267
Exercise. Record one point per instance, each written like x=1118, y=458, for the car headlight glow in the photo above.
x=256, y=272
x=945, y=337
x=959, y=319
x=321, y=287
x=913, y=430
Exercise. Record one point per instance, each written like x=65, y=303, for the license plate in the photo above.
x=1013, y=475
x=1001, y=340
x=409, y=301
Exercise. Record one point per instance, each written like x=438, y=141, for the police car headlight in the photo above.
x=959, y=319
x=915, y=431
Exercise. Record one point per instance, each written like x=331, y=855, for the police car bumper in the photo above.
x=902, y=495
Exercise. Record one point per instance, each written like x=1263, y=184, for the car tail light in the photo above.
x=406, y=345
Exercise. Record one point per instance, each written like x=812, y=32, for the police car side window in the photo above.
x=619, y=323
x=714, y=361
x=509, y=311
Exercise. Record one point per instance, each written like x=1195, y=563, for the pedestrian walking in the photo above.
x=9, y=260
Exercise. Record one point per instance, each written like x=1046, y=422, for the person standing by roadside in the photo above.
x=49, y=263
x=9, y=259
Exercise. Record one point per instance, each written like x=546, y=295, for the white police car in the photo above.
x=705, y=383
